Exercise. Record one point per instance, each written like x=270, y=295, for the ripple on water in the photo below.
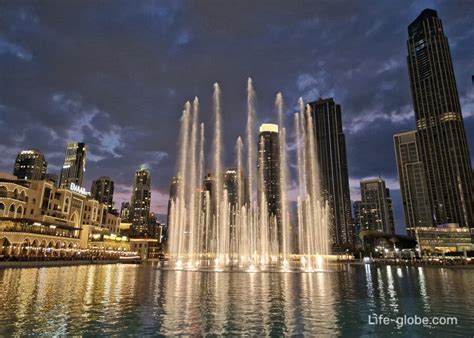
x=140, y=300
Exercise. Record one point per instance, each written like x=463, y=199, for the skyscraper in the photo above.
x=30, y=165
x=365, y=218
x=74, y=165
x=269, y=170
x=375, y=208
x=125, y=212
x=141, y=198
x=332, y=159
x=102, y=190
x=439, y=123
x=231, y=185
x=412, y=182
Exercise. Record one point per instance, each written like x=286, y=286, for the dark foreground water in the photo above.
x=143, y=300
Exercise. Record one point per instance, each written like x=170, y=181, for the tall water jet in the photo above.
x=178, y=206
x=250, y=140
x=239, y=224
x=192, y=181
x=263, y=218
x=222, y=225
x=219, y=222
x=201, y=155
x=285, y=221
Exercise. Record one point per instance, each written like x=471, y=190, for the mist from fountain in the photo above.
x=208, y=230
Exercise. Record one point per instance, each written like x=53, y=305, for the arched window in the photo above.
x=15, y=194
x=12, y=208
x=22, y=196
x=19, y=211
x=2, y=209
x=3, y=192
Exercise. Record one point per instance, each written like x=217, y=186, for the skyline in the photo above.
x=384, y=107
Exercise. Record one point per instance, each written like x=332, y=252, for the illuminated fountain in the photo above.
x=207, y=231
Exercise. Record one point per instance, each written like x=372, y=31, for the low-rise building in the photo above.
x=445, y=238
x=37, y=214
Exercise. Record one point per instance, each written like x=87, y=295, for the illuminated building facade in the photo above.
x=440, y=130
x=411, y=175
x=74, y=165
x=103, y=191
x=30, y=165
x=140, y=206
x=334, y=179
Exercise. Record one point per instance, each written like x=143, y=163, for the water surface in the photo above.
x=141, y=299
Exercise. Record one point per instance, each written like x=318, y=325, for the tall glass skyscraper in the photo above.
x=440, y=130
x=412, y=178
x=269, y=171
x=140, y=206
x=269, y=162
x=74, y=165
x=332, y=159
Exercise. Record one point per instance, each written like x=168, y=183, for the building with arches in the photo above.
x=38, y=217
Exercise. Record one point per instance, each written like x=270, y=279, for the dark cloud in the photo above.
x=116, y=74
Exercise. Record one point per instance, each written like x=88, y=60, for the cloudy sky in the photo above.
x=115, y=74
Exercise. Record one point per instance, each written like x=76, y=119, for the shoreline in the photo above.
x=59, y=263
x=386, y=263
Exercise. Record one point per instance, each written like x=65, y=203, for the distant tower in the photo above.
x=30, y=165
x=140, y=206
x=231, y=185
x=412, y=182
x=74, y=165
x=125, y=212
x=331, y=151
x=439, y=123
x=269, y=162
x=375, y=206
x=102, y=190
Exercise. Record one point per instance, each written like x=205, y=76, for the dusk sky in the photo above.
x=116, y=74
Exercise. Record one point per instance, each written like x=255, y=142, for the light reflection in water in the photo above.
x=141, y=300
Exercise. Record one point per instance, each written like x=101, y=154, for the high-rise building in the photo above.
x=74, y=165
x=269, y=170
x=102, y=190
x=140, y=206
x=412, y=182
x=231, y=185
x=30, y=165
x=365, y=218
x=125, y=212
x=439, y=123
x=269, y=160
x=332, y=159
x=374, y=211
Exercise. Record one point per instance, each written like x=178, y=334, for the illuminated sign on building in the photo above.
x=79, y=189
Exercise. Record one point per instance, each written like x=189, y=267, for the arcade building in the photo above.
x=39, y=219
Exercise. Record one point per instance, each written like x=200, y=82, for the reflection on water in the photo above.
x=141, y=299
